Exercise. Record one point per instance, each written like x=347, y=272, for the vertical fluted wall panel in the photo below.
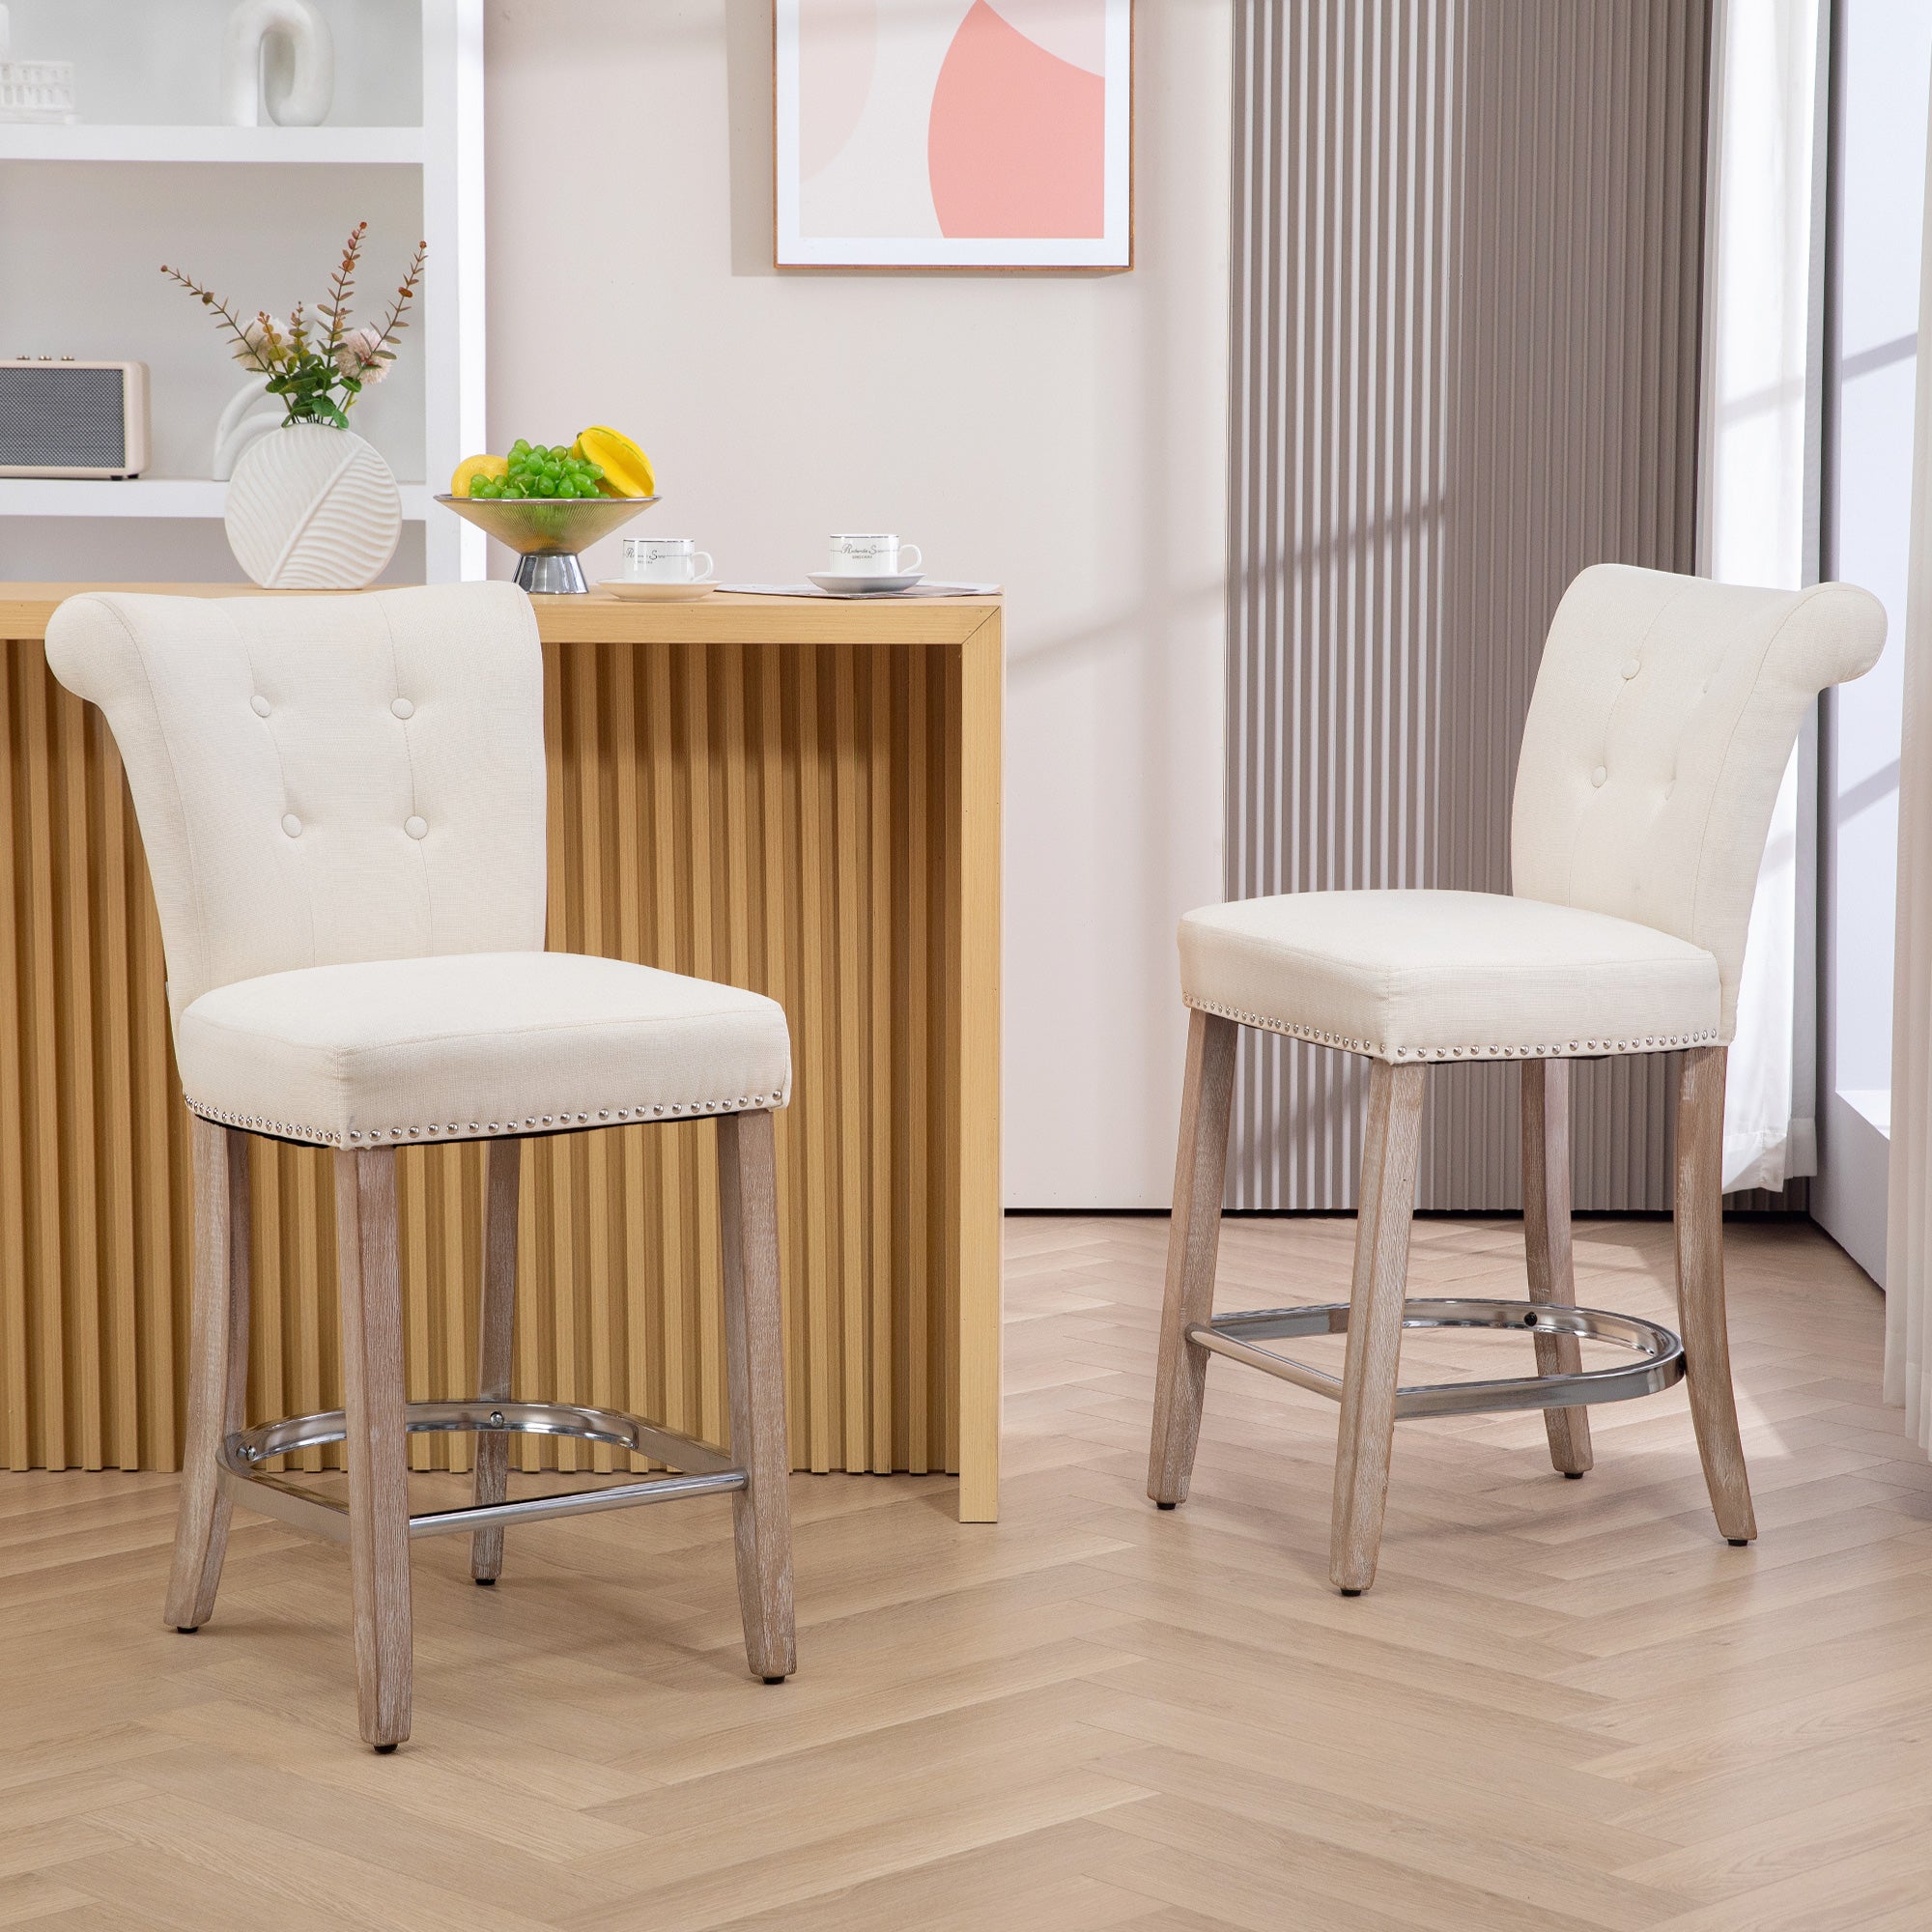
x=771, y=815
x=1467, y=246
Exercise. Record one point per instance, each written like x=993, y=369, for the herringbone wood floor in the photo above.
x=1564, y=1705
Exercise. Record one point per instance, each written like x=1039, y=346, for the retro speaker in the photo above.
x=70, y=418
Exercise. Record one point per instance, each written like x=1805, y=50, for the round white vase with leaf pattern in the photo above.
x=313, y=508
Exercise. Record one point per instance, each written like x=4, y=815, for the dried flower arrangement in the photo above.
x=318, y=374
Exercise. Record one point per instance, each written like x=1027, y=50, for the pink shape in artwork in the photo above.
x=1017, y=146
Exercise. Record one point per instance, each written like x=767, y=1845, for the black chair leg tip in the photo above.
x=1572, y=1475
x=382, y=1751
x=1738, y=1542
x=484, y=1582
x=1166, y=1506
x=188, y=1630
x=774, y=1680
x=1351, y=1593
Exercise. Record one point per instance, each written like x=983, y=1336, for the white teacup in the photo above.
x=665, y=561
x=871, y=556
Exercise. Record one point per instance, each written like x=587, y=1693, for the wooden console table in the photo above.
x=794, y=795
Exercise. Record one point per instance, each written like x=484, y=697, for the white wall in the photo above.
x=1062, y=434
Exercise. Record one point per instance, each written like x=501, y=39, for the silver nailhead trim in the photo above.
x=1379, y=1050
x=291, y=1131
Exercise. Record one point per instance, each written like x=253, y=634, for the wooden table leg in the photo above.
x=978, y=674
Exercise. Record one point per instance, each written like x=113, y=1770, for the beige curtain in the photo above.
x=1908, y=1256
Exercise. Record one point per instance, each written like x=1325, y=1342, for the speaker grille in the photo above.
x=56, y=418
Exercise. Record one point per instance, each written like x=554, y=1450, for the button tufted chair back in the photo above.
x=1664, y=717
x=324, y=780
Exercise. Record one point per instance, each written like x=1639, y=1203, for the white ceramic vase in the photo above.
x=313, y=508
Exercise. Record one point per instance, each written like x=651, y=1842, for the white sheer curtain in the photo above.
x=1758, y=522
x=1908, y=1244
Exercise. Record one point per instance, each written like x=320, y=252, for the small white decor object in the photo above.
x=277, y=65
x=40, y=91
x=252, y=412
x=313, y=508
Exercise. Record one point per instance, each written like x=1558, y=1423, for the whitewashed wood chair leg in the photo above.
x=747, y=1203
x=376, y=1444
x=1700, y=1289
x=1546, y=1237
x=495, y=1331
x=217, y=1382
x=1390, y=1146
x=1193, y=1242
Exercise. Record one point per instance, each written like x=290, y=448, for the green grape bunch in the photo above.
x=550, y=472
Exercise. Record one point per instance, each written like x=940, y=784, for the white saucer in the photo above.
x=640, y=590
x=840, y=583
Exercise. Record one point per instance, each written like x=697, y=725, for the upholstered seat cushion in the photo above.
x=1448, y=976
x=464, y=1046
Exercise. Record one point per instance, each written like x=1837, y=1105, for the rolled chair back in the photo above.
x=324, y=780
x=1663, y=715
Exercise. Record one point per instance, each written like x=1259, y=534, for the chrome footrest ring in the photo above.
x=1660, y=1362
x=701, y=1468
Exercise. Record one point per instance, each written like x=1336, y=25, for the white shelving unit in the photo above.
x=399, y=147
x=143, y=496
x=445, y=149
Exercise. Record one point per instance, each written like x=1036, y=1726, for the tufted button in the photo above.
x=1632, y=667
x=291, y=825
x=1599, y=776
x=416, y=827
x=402, y=707
x=259, y=706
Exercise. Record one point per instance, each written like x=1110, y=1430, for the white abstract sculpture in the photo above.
x=277, y=63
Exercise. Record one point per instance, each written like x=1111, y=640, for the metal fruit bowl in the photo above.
x=548, y=532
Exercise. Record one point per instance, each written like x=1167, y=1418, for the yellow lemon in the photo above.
x=471, y=468
x=627, y=470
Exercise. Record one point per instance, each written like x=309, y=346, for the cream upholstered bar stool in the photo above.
x=1664, y=713
x=342, y=803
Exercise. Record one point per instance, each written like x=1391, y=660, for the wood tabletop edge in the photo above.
x=726, y=618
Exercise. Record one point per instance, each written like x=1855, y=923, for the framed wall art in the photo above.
x=953, y=133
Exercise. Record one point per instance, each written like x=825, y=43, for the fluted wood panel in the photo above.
x=783, y=815
x=1468, y=248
